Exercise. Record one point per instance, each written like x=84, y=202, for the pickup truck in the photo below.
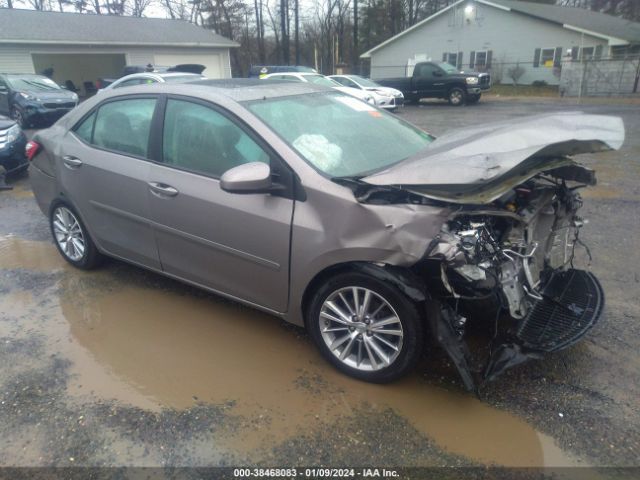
x=440, y=80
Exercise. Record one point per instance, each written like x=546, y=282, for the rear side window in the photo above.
x=200, y=139
x=124, y=125
x=85, y=129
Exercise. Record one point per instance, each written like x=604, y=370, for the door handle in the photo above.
x=71, y=162
x=162, y=189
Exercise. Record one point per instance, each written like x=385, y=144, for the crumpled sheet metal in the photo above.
x=480, y=154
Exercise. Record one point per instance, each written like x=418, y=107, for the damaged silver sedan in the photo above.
x=323, y=210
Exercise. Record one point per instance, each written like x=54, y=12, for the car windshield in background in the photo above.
x=182, y=78
x=447, y=67
x=32, y=82
x=322, y=81
x=340, y=135
x=364, y=82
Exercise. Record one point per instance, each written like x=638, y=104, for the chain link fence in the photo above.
x=600, y=77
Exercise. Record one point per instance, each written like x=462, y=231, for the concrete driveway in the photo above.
x=123, y=367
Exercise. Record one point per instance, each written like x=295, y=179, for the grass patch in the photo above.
x=524, y=90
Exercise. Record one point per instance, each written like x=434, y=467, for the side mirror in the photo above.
x=3, y=89
x=254, y=177
x=436, y=73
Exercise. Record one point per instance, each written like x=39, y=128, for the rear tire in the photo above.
x=359, y=345
x=457, y=97
x=72, y=238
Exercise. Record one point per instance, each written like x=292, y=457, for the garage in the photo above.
x=83, y=48
x=78, y=68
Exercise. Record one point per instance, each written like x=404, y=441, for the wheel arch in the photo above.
x=409, y=283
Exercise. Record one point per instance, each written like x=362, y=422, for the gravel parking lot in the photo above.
x=123, y=367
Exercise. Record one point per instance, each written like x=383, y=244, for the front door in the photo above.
x=430, y=80
x=236, y=244
x=104, y=172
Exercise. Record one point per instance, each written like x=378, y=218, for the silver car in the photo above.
x=149, y=78
x=321, y=209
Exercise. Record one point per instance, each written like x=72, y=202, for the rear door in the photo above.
x=235, y=244
x=103, y=169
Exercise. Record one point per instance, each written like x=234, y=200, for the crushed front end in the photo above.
x=512, y=261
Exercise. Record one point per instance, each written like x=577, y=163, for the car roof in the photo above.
x=239, y=90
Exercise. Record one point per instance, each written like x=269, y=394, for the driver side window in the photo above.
x=200, y=139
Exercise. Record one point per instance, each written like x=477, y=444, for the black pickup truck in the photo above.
x=440, y=80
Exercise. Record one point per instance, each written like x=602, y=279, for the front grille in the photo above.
x=3, y=137
x=573, y=303
x=60, y=105
x=485, y=80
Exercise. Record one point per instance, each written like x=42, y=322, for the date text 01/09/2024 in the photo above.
x=314, y=473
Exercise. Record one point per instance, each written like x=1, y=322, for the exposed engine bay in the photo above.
x=517, y=253
x=503, y=259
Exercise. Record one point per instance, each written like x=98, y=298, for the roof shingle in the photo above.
x=54, y=27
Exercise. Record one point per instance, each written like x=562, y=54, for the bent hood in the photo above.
x=479, y=164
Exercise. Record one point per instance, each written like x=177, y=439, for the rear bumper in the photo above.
x=44, y=188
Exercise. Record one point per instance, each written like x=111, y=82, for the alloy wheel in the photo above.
x=68, y=234
x=456, y=97
x=361, y=328
x=17, y=116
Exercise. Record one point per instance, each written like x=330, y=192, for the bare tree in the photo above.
x=515, y=73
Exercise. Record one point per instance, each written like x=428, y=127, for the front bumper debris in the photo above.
x=572, y=302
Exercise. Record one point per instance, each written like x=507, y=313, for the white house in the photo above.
x=497, y=35
x=84, y=47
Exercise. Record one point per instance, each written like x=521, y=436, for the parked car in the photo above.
x=150, y=78
x=440, y=80
x=330, y=213
x=34, y=100
x=149, y=68
x=385, y=97
x=258, y=71
x=317, y=79
x=12, y=147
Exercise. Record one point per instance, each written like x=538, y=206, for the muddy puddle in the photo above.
x=39, y=256
x=157, y=348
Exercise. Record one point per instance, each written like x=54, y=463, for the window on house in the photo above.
x=587, y=53
x=547, y=57
x=453, y=58
x=481, y=59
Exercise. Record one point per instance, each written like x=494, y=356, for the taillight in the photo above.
x=31, y=149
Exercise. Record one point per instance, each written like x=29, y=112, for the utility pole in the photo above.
x=297, y=26
x=356, y=70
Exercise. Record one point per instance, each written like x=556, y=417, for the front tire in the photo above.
x=17, y=115
x=457, y=97
x=366, y=328
x=72, y=238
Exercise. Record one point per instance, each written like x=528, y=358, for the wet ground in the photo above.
x=123, y=367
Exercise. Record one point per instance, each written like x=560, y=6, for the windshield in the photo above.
x=321, y=80
x=32, y=82
x=340, y=135
x=364, y=82
x=447, y=67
